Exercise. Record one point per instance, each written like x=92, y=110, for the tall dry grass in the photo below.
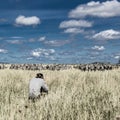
x=73, y=95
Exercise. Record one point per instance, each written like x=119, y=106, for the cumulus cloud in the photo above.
x=42, y=52
x=14, y=41
x=75, y=23
x=31, y=40
x=29, y=58
x=99, y=48
x=3, y=51
x=73, y=30
x=103, y=9
x=27, y=21
x=42, y=38
x=52, y=58
x=57, y=42
x=117, y=57
x=107, y=34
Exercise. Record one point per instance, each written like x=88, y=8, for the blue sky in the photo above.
x=54, y=31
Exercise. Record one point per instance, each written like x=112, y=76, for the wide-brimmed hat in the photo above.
x=39, y=75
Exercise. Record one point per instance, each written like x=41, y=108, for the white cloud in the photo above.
x=3, y=51
x=14, y=41
x=73, y=30
x=42, y=39
x=29, y=58
x=103, y=9
x=27, y=21
x=16, y=37
x=57, y=42
x=51, y=58
x=117, y=57
x=75, y=23
x=31, y=40
x=42, y=52
x=99, y=48
x=107, y=34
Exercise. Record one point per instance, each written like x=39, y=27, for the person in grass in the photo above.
x=37, y=86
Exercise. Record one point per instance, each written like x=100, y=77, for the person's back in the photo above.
x=36, y=86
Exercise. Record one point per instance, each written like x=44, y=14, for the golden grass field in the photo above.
x=73, y=95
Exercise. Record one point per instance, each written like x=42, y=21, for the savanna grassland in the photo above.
x=73, y=95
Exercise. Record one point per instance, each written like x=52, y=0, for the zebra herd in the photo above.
x=40, y=66
x=97, y=67
x=2, y=66
x=83, y=67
